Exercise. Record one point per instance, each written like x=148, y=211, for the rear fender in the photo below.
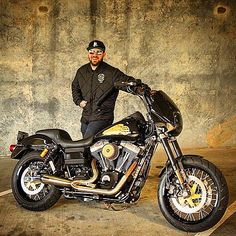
x=34, y=142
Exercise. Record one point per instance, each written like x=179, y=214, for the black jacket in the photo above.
x=97, y=88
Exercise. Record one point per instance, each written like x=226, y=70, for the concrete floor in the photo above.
x=72, y=217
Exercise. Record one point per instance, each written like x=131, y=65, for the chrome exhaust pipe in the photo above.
x=107, y=192
x=49, y=179
x=88, y=182
x=81, y=185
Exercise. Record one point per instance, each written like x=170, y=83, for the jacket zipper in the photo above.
x=91, y=93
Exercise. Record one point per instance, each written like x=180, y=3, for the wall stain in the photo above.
x=93, y=18
x=43, y=9
x=127, y=41
x=14, y=1
x=51, y=107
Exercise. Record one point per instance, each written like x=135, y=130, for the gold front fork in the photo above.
x=171, y=157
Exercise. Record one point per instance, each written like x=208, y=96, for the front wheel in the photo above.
x=207, y=202
x=27, y=188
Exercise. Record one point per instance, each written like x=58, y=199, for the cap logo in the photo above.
x=101, y=78
x=95, y=44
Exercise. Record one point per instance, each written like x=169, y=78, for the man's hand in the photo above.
x=83, y=104
x=140, y=89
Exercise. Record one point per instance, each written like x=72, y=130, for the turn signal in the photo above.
x=12, y=147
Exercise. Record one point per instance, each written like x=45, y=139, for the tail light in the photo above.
x=12, y=147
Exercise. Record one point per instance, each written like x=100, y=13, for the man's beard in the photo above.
x=95, y=64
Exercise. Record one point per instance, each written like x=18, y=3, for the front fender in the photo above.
x=33, y=142
x=178, y=159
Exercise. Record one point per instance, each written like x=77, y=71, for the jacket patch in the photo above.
x=101, y=78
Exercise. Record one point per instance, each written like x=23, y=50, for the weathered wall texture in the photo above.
x=186, y=48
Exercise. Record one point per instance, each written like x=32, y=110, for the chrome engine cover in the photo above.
x=124, y=154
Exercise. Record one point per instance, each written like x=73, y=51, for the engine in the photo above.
x=114, y=159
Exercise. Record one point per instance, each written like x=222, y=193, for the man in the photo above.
x=94, y=91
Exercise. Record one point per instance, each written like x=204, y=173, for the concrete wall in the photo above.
x=186, y=48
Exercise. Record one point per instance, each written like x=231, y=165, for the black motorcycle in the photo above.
x=113, y=166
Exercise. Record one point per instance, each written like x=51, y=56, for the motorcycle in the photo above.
x=113, y=166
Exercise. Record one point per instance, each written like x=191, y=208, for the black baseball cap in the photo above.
x=96, y=44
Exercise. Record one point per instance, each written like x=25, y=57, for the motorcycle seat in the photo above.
x=63, y=138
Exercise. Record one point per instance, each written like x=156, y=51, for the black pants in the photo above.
x=93, y=127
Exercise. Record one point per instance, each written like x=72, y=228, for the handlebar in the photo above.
x=125, y=83
x=135, y=87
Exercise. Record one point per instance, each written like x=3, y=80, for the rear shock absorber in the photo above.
x=48, y=154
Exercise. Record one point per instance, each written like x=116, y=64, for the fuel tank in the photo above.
x=130, y=128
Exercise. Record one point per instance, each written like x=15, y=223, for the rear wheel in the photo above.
x=207, y=202
x=27, y=188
